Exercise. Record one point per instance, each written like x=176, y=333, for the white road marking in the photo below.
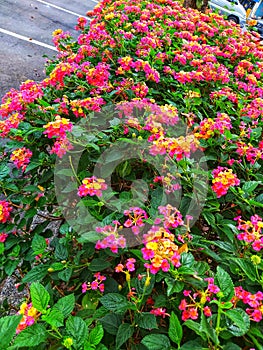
x=29, y=40
x=63, y=9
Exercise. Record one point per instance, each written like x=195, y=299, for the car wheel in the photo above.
x=233, y=18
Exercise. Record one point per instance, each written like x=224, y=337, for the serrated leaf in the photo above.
x=240, y=322
x=115, y=302
x=96, y=334
x=40, y=297
x=8, y=327
x=55, y=318
x=38, y=245
x=31, y=336
x=111, y=323
x=156, y=342
x=98, y=265
x=250, y=186
x=196, y=327
x=65, y=274
x=247, y=267
x=125, y=331
x=36, y=274
x=77, y=328
x=208, y=329
x=175, y=330
x=65, y=305
x=147, y=320
x=224, y=282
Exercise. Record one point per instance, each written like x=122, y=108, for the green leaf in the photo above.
x=240, y=322
x=38, y=245
x=65, y=274
x=224, y=282
x=8, y=327
x=31, y=336
x=196, y=327
x=40, y=297
x=115, y=302
x=147, y=320
x=209, y=217
x=96, y=334
x=55, y=318
x=61, y=252
x=247, y=267
x=98, y=265
x=36, y=274
x=125, y=331
x=250, y=186
x=111, y=323
x=231, y=346
x=156, y=342
x=77, y=328
x=65, y=305
x=4, y=170
x=175, y=330
x=173, y=286
x=208, y=330
x=192, y=345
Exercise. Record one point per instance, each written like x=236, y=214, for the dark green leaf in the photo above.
x=224, y=282
x=156, y=342
x=175, y=330
x=192, y=345
x=65, y=274
x=115, y=302
x=36, y=274
x=147, y=320
x=208, y=329
x=125, y=331
x=98, y=265
x=231, y=346
x=247, y=267
x=196, y=327
x=40, y=297
x=61, y=252
x=111, y=323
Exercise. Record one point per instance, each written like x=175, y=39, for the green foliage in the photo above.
x=131, y=186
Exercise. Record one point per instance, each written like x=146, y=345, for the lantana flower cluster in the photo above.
x=92, y=186
x=5, y=210
x=97, y=284
x=251, y=231
x=21, y=157
x=223, y=178
x=30, y=315
x=196, y=301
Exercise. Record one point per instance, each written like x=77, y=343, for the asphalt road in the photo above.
x=21, y=58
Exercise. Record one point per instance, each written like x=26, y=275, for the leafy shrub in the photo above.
x=131, y=202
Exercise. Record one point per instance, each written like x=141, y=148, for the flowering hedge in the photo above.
x=131, y=186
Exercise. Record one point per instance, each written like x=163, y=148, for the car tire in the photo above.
x=233, y=18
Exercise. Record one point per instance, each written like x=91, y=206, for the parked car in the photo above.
x=232, y=9
x=256, y=13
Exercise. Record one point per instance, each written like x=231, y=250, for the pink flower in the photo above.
x=92, y=186
x=3, y=237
